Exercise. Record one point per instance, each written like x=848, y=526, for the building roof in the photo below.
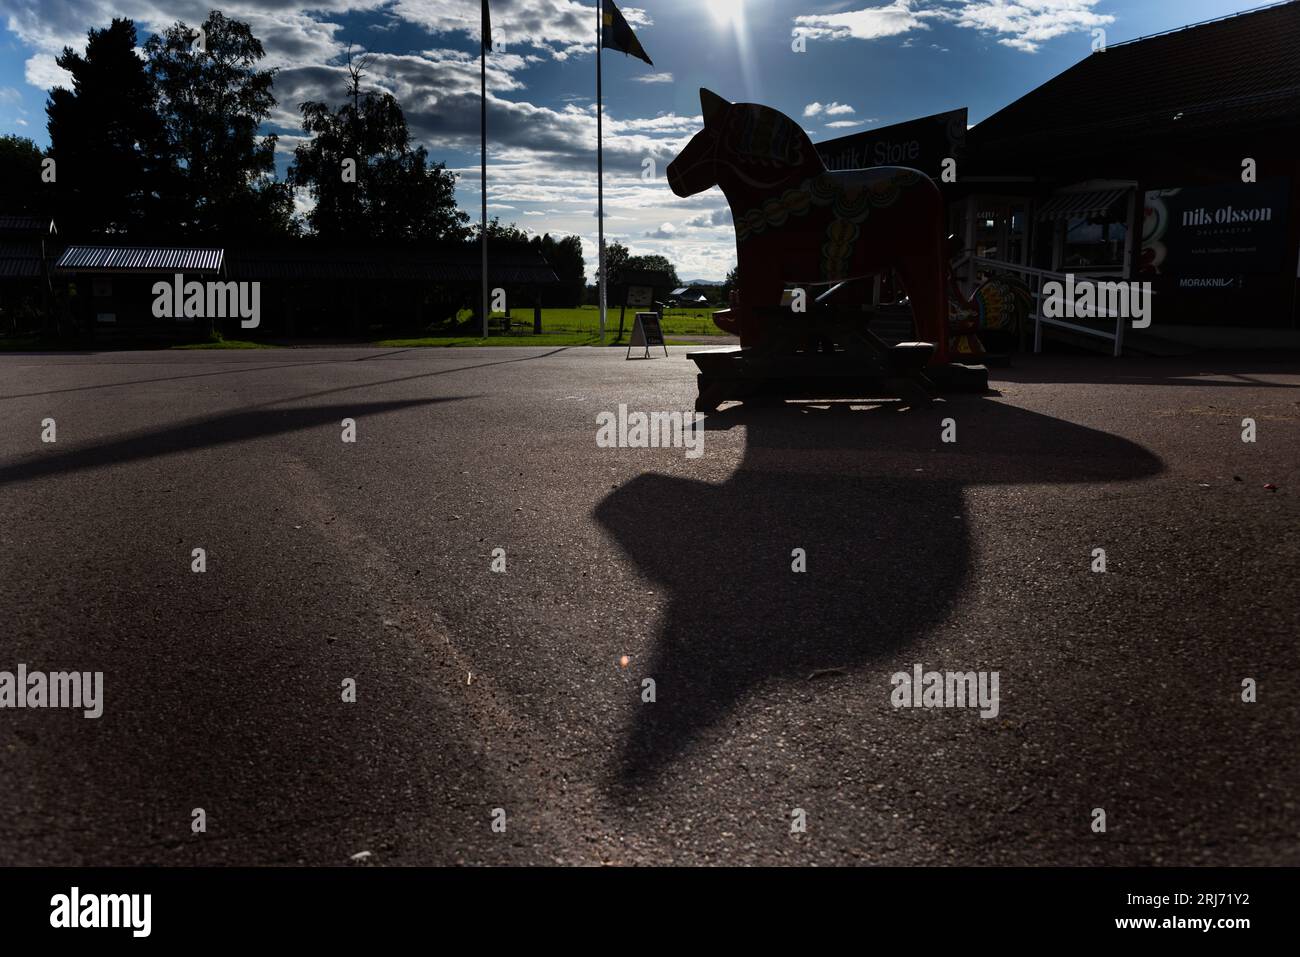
x=1238, y=72
x=24, y=225
x=312, y=261
x=140, y=259
x=19, y=259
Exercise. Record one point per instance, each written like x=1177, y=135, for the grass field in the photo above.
x=570, y=327
x=558, y=339
x=679, y=322
x=560, y=327
x=554, y=339
x=225, y=344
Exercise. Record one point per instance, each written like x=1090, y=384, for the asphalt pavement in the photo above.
x=503, y=697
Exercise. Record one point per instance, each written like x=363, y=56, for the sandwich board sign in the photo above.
x=646, y=332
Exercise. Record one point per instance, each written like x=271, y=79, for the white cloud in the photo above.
x=665, y=231
x=1024, y=24
x=653, y=78
x=870, y=23
x=709, y=219
x=1019, y=24
x=42, y=72
x=827, y=109
x=560, y=27
x=845, y=124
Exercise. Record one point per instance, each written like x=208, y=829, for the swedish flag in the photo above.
x=615, y=34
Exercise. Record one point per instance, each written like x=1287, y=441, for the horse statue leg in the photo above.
x=924, y=278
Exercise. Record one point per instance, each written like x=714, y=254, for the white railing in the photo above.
x=1036, y=279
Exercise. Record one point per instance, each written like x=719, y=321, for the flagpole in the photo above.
x=600, y=174
x=483, y=234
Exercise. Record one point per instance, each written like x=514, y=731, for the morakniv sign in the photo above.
x=920, y=144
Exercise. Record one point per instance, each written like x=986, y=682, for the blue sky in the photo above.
x=867, y=63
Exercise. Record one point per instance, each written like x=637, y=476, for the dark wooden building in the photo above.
x=1173, y=158
x=28, y=245
x=304, y=288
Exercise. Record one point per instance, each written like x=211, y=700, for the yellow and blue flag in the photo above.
x=615, y=34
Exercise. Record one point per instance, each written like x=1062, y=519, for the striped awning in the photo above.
x=1069, y=205
x=140, y=259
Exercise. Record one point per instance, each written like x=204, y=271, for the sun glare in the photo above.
x=727, y=11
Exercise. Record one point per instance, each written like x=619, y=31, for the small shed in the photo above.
x=111, y=289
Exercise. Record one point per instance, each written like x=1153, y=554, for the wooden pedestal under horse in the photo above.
x=800, y=224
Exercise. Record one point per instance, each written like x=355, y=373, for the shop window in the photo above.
x=1093, y=243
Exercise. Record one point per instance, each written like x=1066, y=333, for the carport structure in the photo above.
x=109, y=289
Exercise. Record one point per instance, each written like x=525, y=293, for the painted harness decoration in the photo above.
x=798, y=223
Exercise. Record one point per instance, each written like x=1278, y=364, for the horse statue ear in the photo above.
x=712, y=105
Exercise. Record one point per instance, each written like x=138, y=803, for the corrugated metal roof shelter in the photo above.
x=24, y=226
x=140, y=259
x=24, y=245
x=20, y=260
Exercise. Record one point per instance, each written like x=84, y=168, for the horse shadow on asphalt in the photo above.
x=876, y=501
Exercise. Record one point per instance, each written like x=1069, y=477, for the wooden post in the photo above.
x=1133, y=232
x=972, y=209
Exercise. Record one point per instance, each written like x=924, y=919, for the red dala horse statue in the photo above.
x=799, y=225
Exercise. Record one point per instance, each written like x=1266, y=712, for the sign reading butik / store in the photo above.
x=919, y=144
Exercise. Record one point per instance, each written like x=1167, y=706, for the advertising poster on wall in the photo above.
x=1215, y=237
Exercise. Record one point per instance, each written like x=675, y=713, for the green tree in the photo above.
x=502, y=234
x=616, y=258
x=391, y=191
x=729, y=284
x=212, y=99
x=653, y=264
x=106, y=138
x=565, y=257
x=21, y=189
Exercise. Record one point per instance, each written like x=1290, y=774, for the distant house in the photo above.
x=697, y=295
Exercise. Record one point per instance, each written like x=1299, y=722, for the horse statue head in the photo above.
x=742, y=145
